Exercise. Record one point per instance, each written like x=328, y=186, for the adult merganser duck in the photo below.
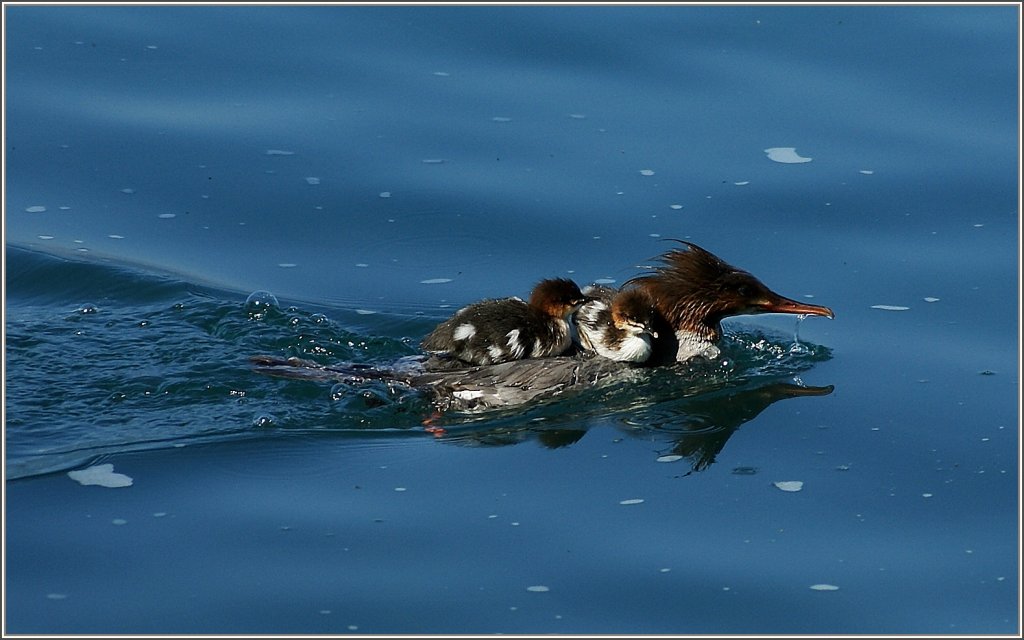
x=617, y=324
x=500, y=330
x=693, y=290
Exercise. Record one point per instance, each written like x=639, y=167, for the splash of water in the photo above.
x=798, y=347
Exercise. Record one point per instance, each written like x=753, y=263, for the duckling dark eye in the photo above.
x=743, y=290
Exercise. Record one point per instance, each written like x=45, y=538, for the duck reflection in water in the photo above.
x=693, y=414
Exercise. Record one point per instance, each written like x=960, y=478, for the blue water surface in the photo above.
x=374, y=168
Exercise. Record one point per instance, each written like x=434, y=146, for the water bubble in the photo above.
x=259, y=303
x=318, y=318
x=263, y=420
x=87, y=309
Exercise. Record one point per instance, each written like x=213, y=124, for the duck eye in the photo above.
x=743, y=290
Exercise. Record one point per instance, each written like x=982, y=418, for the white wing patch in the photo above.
x=464, y=331
x=514, y=345
x=496, y=352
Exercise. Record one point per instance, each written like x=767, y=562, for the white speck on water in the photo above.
x=790, y=485
x=675, y=206
x=538, y=588
x=654, y=235
x=978, y=226
x=670, y=458
x=866, y=172
x=514, y=524
x=385, y=194
x=926, y=495
x=312, y=180
x=362, y=264
x=435, y=281
x=102, y=475
x=824, y=587
x=287, y=265
x=647, y=172
x=119, y=521
x=151, y=46
x=279, y=152
x=931, y=299
x=492, y=516
x=159, y=514
x=604, y=281
x=889, y=307
x=57, y=596
x=115, y=236
x=45, y=237
x=501, y=119
x=632, y=501
x=38, y=208
x=325, y=612
x=400, y=489
x=442, y=74
x=741, y=184
x=365, y=312
x=577, y=116
x=433, y=161
x=64, y=208
x=167, y=216
x=128, y=190
x=785, y=155
x=353, y=627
